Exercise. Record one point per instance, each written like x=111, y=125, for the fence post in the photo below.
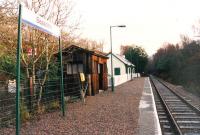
x=61, y=79
x=18, y=73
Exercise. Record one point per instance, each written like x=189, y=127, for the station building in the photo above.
x=123, y=70
x=92, y=63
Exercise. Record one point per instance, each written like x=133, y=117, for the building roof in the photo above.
x=122, y=59
x=72, y=48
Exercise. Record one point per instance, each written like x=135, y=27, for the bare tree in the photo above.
x=42, y=45
x=90, y=44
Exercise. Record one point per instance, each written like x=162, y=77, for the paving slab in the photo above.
x=148, y=118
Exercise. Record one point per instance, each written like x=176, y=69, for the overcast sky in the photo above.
x=149, y=23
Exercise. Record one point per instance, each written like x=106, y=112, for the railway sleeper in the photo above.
x=186, y=117
x=168, y=133
x=191, y=132
x=184, y=113
x=181, y=110
x=179, y=107
x=188, y=122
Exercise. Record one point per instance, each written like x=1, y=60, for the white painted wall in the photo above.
x=116, y=63
x=118, y=79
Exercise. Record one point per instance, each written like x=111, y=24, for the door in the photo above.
x=100, y=72
x=95, y=78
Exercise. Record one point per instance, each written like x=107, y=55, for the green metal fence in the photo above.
x=7, y=105
x=30, y=97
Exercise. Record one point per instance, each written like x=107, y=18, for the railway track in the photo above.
x=176, y=115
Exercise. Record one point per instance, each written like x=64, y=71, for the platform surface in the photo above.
x=148, y=118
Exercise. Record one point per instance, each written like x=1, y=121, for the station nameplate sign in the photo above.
x=36, y=21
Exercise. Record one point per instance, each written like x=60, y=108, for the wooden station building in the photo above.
x=93, y=64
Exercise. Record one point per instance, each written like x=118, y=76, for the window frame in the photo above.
x=117, y=71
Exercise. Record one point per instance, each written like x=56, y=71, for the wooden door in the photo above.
x=95, y=77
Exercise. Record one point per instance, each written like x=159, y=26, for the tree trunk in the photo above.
x=45, y=76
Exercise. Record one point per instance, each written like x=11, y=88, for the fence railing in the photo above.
x=35, y=98
x=7, y=105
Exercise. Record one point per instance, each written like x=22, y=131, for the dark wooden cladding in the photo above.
x=95, y=84
x=93, y=63
x=105, y=77
x=95, y=78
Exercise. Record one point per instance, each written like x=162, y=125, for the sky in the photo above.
x=149, y=23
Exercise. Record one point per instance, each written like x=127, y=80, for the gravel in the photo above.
x=193, y=99
x=107, y=113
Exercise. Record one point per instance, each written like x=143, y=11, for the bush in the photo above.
x=41, y=109
x=54, y=105
x=179, y=64
x=8, y=65
x=24, y=113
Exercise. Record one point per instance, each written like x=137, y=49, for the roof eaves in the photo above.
x=126, y=63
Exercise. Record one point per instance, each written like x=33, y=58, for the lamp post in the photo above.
x=112, y=81
x=137, y=67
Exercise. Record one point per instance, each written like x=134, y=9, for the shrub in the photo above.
x=41, y=109
x=54, y=105
x=24, y=113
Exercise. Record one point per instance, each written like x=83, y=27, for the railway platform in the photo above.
x=148, y=118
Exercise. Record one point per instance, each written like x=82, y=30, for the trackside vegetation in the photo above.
x=179, y=64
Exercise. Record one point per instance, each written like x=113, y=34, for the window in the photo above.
x=117, y=71
x=74, y=66
x=80, y=68
x=99, y=69
x=69, y=69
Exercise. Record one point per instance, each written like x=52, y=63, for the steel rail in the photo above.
x=173, y=121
